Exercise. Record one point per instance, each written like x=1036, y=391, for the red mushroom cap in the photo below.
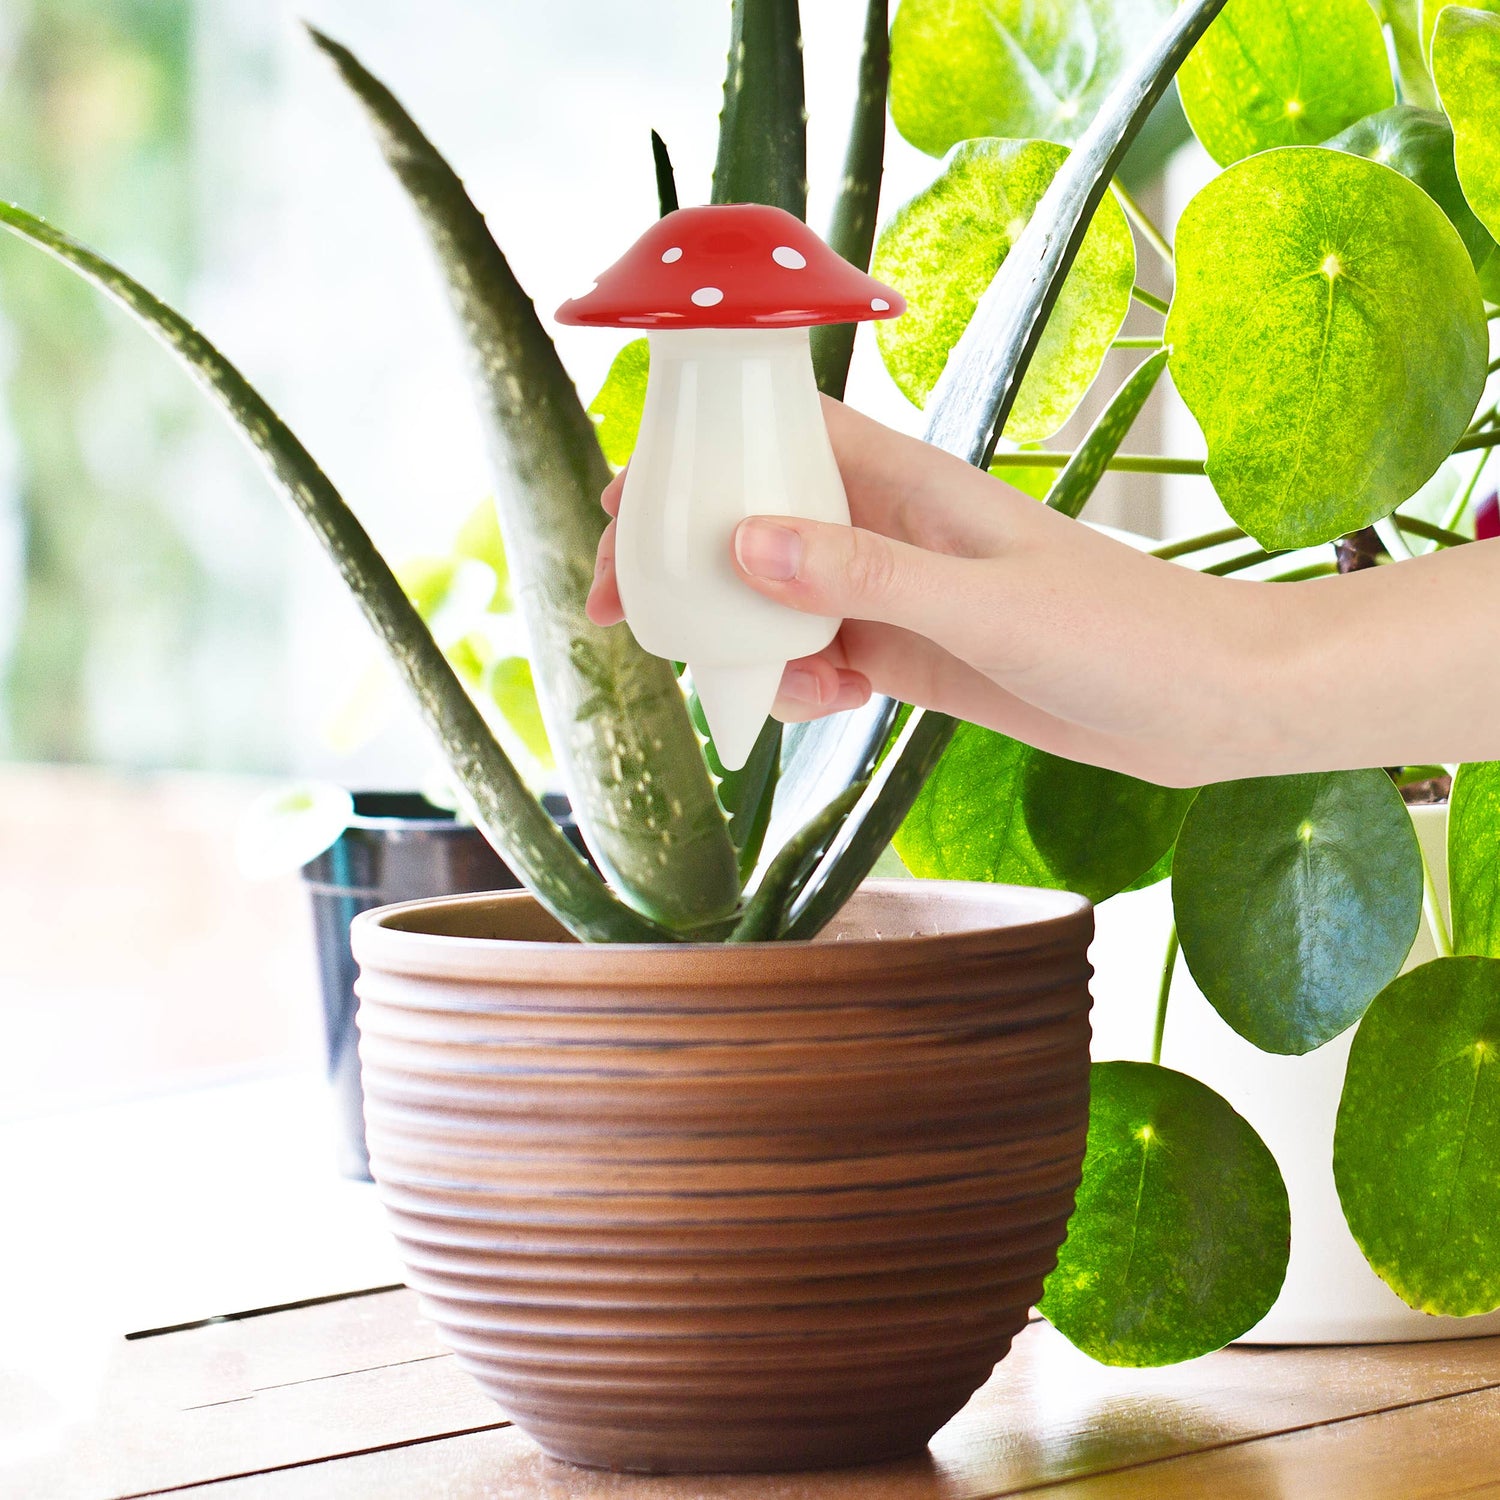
x=731, y=265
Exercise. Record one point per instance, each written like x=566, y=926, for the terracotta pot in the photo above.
x=757, y=1207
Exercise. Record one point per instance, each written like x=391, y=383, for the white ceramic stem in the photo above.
x=732, y=427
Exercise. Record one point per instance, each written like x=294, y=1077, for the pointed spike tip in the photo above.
x=736, y=703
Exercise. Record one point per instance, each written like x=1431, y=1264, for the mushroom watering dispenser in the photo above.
x=732, y=427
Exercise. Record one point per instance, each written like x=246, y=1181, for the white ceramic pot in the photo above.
x=1331, y=1295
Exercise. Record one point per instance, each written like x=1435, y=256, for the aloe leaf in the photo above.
x=852, y=233
x=510, y=816
x=1091, y=457
x=763, y=128
x=666, y=179
x=971, y=402
x=615, y=715
x=870, y=826
x=764, y=911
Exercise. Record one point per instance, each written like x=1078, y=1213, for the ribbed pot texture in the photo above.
x=730, y=1207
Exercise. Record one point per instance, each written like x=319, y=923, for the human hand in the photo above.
x=959, y=593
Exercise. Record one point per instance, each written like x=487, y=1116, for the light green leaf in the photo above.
x=1430, y=12
x=997, y=810
x=1179, y=1240
x=1474, y=859
x=513, y=690
x=1284, y=73
x=1297, y=899
x=1416, y=1153
x=943, y=248
x=1418, y=143
x=1036, y=482
x=966, y=68
x=1402, y=19
x=1329, y=381
x=1466, y=67
x=617, y=408
x=286, y=827
x=479, y=539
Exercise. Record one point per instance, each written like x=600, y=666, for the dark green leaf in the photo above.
x=666, y=179
x=511, y=817
x=1086, y=468
x=1416, y=1154
x=746, y=795
x=763, y=128
x=1466, y=66
x=1297, y=899
x=997, y=810
x=615, y=715
x=1474, y=859
x=852, y=233
x=943, y=248
x=967, y=68
x=1284, y=73
x=621, y=399
x=1329, y=381
x=1179, y=1240
x=1418, y=143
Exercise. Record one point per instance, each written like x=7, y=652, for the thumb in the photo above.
x=849, y=573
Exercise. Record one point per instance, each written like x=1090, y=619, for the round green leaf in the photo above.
x=513, y=690
x=1330, y=380
x=1474, y=859
x=943, y=248
x=997, y=810
x=1418, y=143
x=1179, y=1239
x=1416, y=1153
x=1098, y=830
x=1284, y=73
x=617, y=408
x=1297, y=899
x=967, y=68
x=1466, y=67
x=479, y=540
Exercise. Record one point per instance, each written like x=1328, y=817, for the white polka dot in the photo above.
x=707, y=296
x=793, y=260
x=879, y=304
x=669, y=256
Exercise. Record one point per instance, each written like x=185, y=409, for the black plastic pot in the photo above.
x=397, y=847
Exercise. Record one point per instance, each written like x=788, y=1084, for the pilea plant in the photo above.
x=1327, y=327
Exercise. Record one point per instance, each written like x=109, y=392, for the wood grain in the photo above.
x=346, y=1401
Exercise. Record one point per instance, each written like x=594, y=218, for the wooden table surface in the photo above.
x=352, y=1397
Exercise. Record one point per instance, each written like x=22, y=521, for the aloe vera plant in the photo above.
x=1328, y=329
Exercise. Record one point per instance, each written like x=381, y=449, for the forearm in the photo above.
x=1389, y=666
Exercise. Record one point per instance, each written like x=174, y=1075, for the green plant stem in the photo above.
x=1243, y=561
x=1457, y=510
x=1493, y=365
x=1164, y=993
x=1429, y=531
x=1200, y=543
x=1149, y=232
x=1442, y=939
x=1130, y=341
x=766, y=909
x=1301, y=575
x=1151, y=300
x=1472, y=440
x=1130, y=463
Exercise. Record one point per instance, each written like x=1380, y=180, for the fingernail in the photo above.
x=769, y=551
x=801, y=685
